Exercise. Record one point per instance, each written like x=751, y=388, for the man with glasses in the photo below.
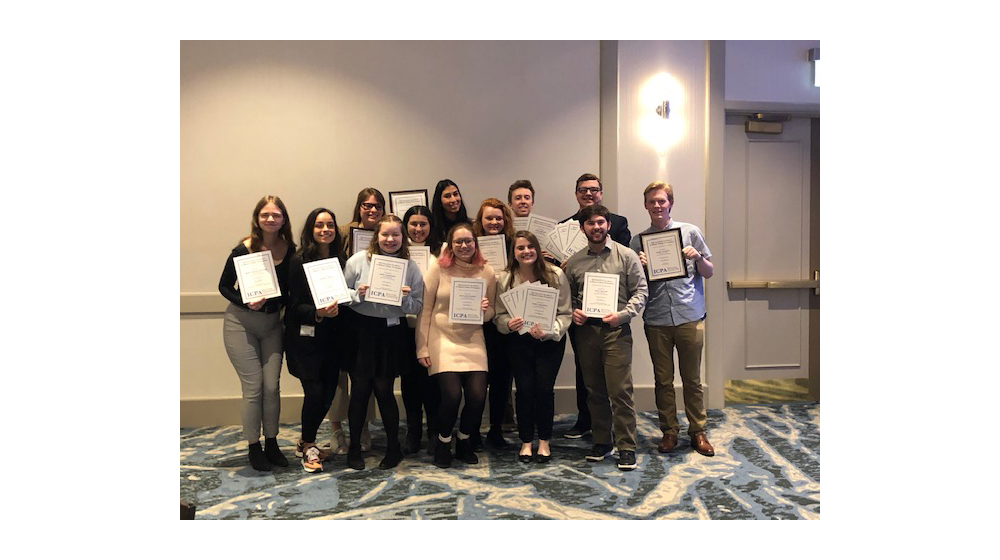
x=674, y=318
x=589, y=192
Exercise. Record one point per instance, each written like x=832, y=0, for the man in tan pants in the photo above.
x=674, y=318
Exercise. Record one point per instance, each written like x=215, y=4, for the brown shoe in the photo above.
x=699, y=441
x=668, y=443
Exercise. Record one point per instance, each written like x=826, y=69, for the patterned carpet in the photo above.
x=766, y=466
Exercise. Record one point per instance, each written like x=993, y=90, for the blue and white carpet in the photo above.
x=766, y=466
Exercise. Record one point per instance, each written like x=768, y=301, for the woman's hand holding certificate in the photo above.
x=256, y=277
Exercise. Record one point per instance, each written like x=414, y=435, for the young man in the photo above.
x=521, y=197
x=674, y=317
x=604, y=345
x=589, y=191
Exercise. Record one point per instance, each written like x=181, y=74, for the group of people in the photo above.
x=365, y=344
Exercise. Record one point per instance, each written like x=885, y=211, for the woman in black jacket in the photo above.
x=311, y=334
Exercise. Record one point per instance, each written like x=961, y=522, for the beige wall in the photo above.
x=314, y=122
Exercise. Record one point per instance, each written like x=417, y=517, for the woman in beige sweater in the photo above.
x=454, y=353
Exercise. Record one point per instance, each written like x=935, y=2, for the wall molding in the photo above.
x=203, y=302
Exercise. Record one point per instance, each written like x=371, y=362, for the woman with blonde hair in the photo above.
x=252, y=332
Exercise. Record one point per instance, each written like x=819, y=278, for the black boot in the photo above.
x=494, y=437
x=392, y=457
x=274, y=454
x=355, y=459
x=258, y=460
x=464, y=453
x=476, y=441
x=411, y=444
x=442, y=453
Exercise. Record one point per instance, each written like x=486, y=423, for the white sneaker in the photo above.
x=312, y=459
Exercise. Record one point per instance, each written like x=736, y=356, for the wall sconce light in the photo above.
x=814, y=58
x=663, y=109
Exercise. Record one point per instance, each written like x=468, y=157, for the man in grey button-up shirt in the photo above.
x=673, y=318
x=604, y=344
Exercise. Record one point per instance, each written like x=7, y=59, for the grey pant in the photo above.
x=253, y=342
x=605, y=356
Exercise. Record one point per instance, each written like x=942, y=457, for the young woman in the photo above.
x=252, y=332
x=454, y=353
x=312, y=336
x=368, y=210
x=381, y=334
x=419, y=392
x=448, y=209
x=535, y=357
x=495, y=218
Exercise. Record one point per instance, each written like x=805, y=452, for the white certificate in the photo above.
x=256, y=276
x=401, y=201
x=360, y=239
x=521, y=224
x=600, y=294
x=385, y=282
x=540, y=305
x=664, y=258
x=326, y=282
x=421, y=254
x=466, y=303
x=494, y=250
x=541, y=226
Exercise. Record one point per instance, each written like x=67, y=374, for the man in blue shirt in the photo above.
x=674, y=317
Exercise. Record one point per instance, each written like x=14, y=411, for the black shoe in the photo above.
x=411, y=444
x=258, y=460
x=476, y=440
x=392, y=457
x=525, y=458
x=274, y=454
x=626, y=460
x=494, y=438
x=442, y=453
x=576, y=432
x=464, y=453
x=354, y=459
x=543, y=458
x=600, y=452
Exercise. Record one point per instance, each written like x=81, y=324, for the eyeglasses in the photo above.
x=464, y=241
x=591, y=190
x=371, y=206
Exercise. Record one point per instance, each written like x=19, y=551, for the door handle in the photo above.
x=777, y=284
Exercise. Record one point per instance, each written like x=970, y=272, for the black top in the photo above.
x=313, y=354
x=227, y=282
x=300, y=309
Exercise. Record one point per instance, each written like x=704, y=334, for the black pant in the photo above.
x=452, y=385
x=420, y=394
x=319, y=395
x=535, y=364
x=499, y=376
x=583, y=411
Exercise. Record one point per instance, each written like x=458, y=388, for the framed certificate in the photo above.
x=494, y=250
x=326, y=282
x=465, y=305
x=421, y=254
x=600, y=293
x=256, y=276
x=386, y=277
x=664, y=258
x=401, y=201
x=360, y=239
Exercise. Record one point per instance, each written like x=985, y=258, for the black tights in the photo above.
x=316, y=402
x=452, y=385
x=357, y=410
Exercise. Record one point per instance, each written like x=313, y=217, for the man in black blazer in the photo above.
x=590, y=191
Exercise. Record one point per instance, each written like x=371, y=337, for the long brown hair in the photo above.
x=363, y=195
x=256, y=236
x=508, y=218
x=541, y=269
x=404, y=248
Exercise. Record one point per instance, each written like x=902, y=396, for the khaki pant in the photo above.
x=605, y=356
x=689, y=339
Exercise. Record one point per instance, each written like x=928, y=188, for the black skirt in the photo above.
x=381, y=348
